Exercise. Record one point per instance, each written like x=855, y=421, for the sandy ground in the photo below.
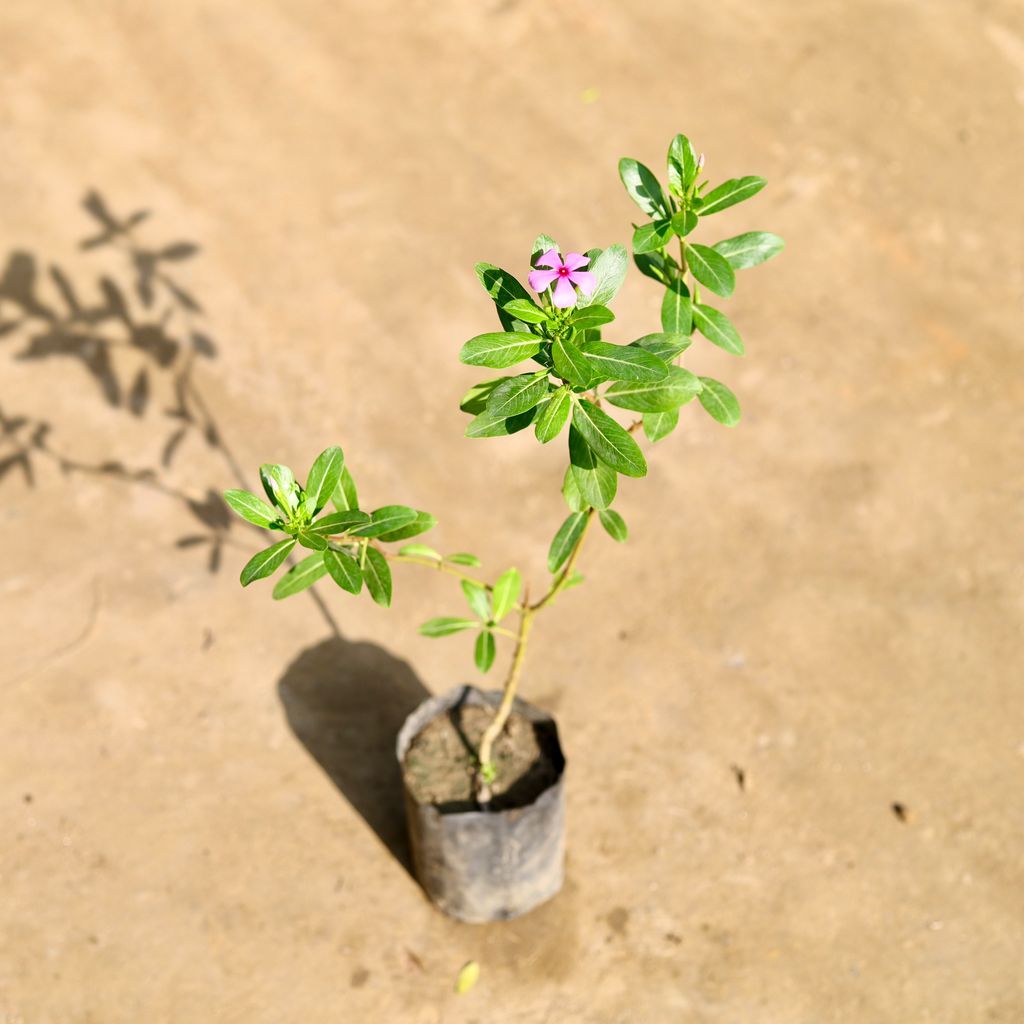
x=199, y=811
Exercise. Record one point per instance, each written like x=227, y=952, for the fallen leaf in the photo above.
x=467, y=978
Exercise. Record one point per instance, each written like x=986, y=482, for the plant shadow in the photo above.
x=346, y=701
x=140, y=336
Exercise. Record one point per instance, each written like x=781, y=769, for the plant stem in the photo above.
x=567, y=570
x=485, y=771
x=694, y=295
x=433, y=563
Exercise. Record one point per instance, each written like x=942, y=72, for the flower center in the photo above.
x=563, y=271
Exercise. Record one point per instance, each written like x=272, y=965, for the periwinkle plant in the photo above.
x=560, y=329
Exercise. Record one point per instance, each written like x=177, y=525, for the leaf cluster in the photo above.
x=573, y=358
x=344, y=543
x=488, y=606
x=675, y=212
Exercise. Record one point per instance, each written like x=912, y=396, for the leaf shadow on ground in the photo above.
x=346, y=701
x=139, y=335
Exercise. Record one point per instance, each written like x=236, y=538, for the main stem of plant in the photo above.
x=485, y=768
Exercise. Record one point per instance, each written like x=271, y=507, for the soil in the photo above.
x=439, y=765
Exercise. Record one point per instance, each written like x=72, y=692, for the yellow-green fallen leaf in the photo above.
x=467, y=977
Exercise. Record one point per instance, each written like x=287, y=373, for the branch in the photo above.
x=432, y=563
x=567, y=569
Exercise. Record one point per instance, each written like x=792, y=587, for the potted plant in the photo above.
x=483, y=771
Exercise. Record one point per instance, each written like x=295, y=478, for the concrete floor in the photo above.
x=197, y=797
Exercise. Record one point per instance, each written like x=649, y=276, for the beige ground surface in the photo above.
x=828, y=598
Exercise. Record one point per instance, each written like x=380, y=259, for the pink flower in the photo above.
x=567, y=273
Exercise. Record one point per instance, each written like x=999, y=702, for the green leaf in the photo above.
x=503, y=288
x=266, y=561
x=424, y=521
x=506, y=593
x=609, y=441
x=660, y=424
x=445, y=625
x=653, y=236
x=527, y=311
x=377, y=576
x=665, y=346
x=387, y=519
x=300, y=576
x=499, y=350
x=484, y=651
x=654, y=265
x=624, y=362
x=570, y=364
x=589, y=317
x=643, y=187
x=682, y=165
x=324, y=477
x=345, y=497
x=489, y=425
x=281, y=487
x=721, y=404
x=595, y=481
x=750, y=248
x=541, y=245
x=420, y=551
x=570, y=489
x=253, y=509
x=565, y=540
x=730, y=192
x=717, y=328
x=609, y=270
x=543, y=357
x=464, y=558
x=474, y=401
x=338, y=522
x=478, y=599
x=711, y=269
x=554, y=416
x=683, y=222
x=517, y=395
x=675, y=390
x=344, y=570
x=677, y=309
x=314, y=541
x=573, y=581
x=614, y=524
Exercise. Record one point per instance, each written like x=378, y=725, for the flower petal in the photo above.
x=565, y=294
x=550, y=259
x=585, y=280
x=540, y=279
x=574, y=260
